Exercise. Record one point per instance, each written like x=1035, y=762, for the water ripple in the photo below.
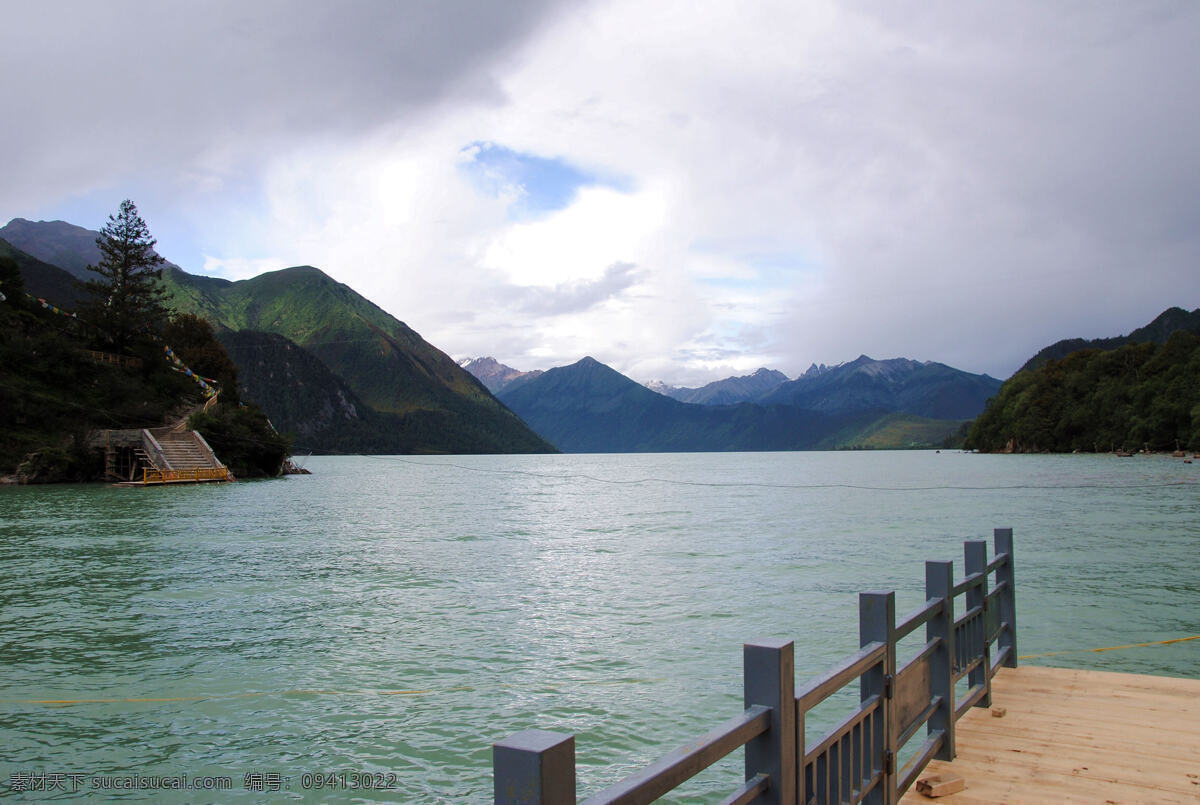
x=400, y=616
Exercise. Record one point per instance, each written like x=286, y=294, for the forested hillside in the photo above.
x=1158, y=331
x=1139, y=396
x=53, y=391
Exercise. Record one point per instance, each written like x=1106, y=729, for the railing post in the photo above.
x=769, y=679
x=534, y=767
x=877, y=624
x=975, y=554
x=939, y=583
x=1008, y=600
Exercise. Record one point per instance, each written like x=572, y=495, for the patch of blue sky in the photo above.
x=91, y=210
x=757, y=268
x=768, y=276
x=534, y=185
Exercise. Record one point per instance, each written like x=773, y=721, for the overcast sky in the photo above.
x=682, y=190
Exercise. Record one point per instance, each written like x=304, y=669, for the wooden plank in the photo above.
x=1079, y=736
x=939, y=785
x=1082, y=784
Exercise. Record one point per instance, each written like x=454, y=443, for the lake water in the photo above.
x=396, y=615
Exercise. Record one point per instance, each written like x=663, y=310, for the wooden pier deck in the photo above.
x=1077, y=736
x=1049, y=735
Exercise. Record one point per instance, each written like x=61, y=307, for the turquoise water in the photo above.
x=395, y=616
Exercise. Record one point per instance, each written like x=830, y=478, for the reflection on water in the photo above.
x=398, y=615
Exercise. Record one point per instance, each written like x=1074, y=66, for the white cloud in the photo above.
x=601, y=227
x=799, y=182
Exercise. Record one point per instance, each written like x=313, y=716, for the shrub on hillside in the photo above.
x=243, y=439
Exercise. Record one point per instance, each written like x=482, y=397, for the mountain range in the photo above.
x=925, y=389
x=494, y=375
x=863, y=403
x=746, y=388
x=589, y=407
x=343, y=375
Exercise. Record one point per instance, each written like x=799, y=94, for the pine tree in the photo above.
x=127, y=300
x=12, y=285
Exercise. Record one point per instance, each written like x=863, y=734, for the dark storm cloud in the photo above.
x=94, y=91
x=1014, y=175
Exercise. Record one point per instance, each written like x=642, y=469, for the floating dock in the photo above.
x=1076, y=736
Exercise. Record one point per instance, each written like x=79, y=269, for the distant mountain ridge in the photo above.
x=729, y=391
x=924, y=389
x=495, y=375
x=387, y=365
x=588, y=407
x=67, y=246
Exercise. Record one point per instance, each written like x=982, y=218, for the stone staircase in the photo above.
x=184, y=451
x=164, y=455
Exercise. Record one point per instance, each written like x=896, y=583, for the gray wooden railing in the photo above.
x=154, y=450
x=857, y=760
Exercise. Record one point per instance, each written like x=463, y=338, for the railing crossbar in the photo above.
x=1001, y=658
x=916, y=765
x=855, y=761
x=154, y=476
x=970, y=582
x=968, y=668
x=919, y=721
x=751, y=790
x=919, y=617
x=973, y=695
x=687, y=761
x=924, y=654
x=970, y=615
x=841, y=675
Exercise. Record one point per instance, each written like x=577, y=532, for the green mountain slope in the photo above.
x=326, y=416
x=903, y=431
x=1157, y=331
x=1135, y=396
x=388, y=366
x=43, y=280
